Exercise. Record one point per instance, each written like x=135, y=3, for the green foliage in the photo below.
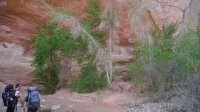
x=92, y=22
x=138, y=82
x=53, y=45
x=168, y=60
x=94, y=10
x=52, y=78
x=187, y=54
x=198, y=32
x=89, y=80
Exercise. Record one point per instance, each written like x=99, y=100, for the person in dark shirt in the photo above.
x=12, y=100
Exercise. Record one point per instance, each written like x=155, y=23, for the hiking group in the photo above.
x=11, y=96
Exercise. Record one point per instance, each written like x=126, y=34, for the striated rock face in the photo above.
x=175, y=11
x=17, y=22
x=158, y=13
x=18, y=19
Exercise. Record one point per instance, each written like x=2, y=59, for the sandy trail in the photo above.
x=66, y=101
x=105, y=101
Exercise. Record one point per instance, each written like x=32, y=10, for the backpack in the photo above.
x=8, y=95
x=33, y=98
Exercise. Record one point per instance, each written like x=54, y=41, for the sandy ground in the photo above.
x=67, y=101
x=102, y=101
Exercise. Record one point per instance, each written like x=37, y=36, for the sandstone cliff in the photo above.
x=19, y=17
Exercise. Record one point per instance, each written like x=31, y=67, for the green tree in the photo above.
x=168, y=60
x=53, y=46
x=76, y=29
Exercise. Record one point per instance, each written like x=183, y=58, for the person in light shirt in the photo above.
x=17, y=92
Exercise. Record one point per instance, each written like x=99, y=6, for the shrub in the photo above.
x=169, y=60
x=89, y=80
x=153, y=60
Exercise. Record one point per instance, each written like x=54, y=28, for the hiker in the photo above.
x=9, y=98
x=17, y=92
x=32, y=100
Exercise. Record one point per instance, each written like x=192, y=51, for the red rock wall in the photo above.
x=19, y=17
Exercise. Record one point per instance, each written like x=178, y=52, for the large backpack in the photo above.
x=33, y=98
x=8, y=95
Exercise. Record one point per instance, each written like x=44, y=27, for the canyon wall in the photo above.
x=18, y=19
